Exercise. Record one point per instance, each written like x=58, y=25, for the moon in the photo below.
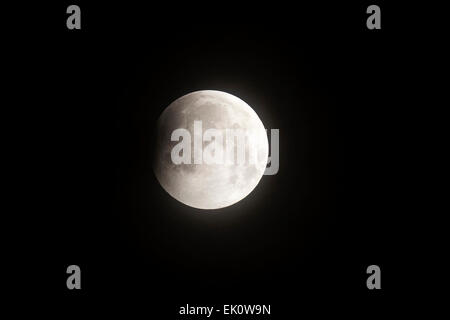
x=209, y=186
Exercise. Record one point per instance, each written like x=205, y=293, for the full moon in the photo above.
x=197, y=183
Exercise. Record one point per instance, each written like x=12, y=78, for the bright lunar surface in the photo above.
x=206, y=185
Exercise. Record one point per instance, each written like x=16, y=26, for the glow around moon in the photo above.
x=199, y=183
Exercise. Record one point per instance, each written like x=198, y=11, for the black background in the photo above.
x=301, y=241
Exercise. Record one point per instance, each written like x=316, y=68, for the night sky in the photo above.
x=301, y=241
